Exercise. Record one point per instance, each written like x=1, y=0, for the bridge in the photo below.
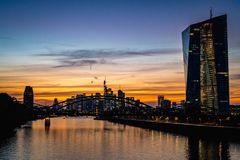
x=96, y=105
x=107, y=104
x=110, y=106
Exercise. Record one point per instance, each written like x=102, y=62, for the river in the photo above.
x=84, y=138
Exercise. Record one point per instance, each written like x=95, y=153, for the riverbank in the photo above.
x=197, y=130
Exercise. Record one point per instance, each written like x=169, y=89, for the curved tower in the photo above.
x=28, y=97
x=205, y=52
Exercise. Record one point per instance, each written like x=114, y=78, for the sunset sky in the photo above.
x=63, y=48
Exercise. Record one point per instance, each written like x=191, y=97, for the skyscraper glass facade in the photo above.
x=28, y=97
x=205, y=52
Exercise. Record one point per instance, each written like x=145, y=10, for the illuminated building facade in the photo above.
x=160, y=100
x=121, y=96
x=205, y=52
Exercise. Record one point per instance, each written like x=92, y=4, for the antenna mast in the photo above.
x=211, y=14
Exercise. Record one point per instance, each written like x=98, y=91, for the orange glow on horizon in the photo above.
x=148, y=93
x=145, y=82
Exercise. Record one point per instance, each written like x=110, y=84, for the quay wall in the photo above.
x=196, y=130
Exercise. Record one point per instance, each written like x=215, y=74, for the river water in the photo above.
x=85, y=138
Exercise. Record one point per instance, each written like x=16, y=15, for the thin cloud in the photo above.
x=83, y=57
x=160, y=67
x=108, y=53
x=73, y=63
x=50, y=94
x=181, y=73
x=153, y=95
x=80, y=63
x=235, y=77
x=67, y=87
x=156, y=89
x=170, y=82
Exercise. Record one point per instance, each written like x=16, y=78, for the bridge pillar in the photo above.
x=47, y=121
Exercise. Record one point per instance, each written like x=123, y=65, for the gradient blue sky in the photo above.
x=135, y=43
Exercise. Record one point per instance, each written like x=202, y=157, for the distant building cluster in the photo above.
x=163, y=103
x=82, y=103
x=235, y=110
x=167, y=104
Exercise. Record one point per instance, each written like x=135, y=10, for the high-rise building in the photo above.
x=109, y=96
x=28, y=97
x=55, y=103
x=160, y=100
x=205, y=52
x=174, y=104
x=166, y=103
x=121, y=97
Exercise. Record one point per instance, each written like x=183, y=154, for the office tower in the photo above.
x=55, y=104
x=28, y=97
x=121, y=98
x=108, y=95
x=205, y=52
x=174, y=104
x=160, y=100
x=166, y=103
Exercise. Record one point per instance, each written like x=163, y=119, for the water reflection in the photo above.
x=202, y=149
x=84, y=138
x=47, y=128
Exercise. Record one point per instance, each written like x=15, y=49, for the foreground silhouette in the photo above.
x=12, y=114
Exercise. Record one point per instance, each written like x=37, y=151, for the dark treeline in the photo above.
x=12, y=114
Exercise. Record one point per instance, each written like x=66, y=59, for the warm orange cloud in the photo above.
x=141, y=75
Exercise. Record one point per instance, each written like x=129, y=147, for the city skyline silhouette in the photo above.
x=68, y=49
x=120, y=79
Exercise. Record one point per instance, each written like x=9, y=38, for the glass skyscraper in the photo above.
x=28, y=97
x=205, y=52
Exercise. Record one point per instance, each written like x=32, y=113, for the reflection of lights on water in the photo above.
x=167, y=118
x=47, y=128
x=47, y=121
